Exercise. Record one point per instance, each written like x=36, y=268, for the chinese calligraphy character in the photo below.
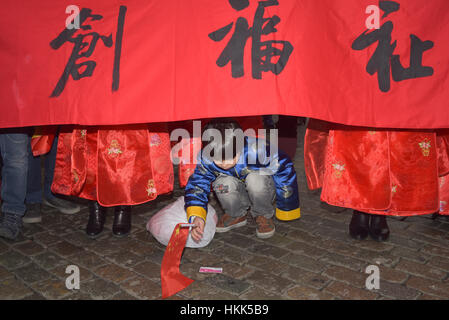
x=383, y=60
x=82, y=48
x=262, y=52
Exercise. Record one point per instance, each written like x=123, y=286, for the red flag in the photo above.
x=172, y=280
x=42, y=140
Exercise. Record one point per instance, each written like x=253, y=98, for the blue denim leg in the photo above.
x=50, y=160
x=262, y=194
x=14, y=150
x=34, y=184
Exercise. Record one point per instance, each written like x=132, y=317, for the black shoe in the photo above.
x=10, y=226
x=359, y=226
x=122, y=221
x=33, y=213
x=378, y=228
x=97, y=217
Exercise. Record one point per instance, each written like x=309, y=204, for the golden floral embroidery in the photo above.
x=155, y=140
x=83, y=133
x=372, y=132
x=425, y=147
x=151, y=189
x=394, y=188
x=443, y=205
x=76, y=177
x=338, y=170
x=114, y=149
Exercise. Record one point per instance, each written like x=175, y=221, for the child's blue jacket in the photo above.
x=255, y=157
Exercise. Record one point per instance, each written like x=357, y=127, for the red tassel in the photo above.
x=172, y=280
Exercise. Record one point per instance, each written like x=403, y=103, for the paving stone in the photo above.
x=440, y=263
x=420, y=270
x=345, y=291
x=201, y=290
x=270, y=282
x=125, y=258
x=434, y=250
x=29, y=248
x=376, y=257
x=354, y=278
x=269, y=265
x=343, y=261
x=3, y=247
x=306, y=278
x=88, y=259
x=397, y=291
x=5, y=274
x=99, y=289
x=229, y=284
x=149, y=269
x=428, y=286
x=13, y=260
x=32, y=273
x=235, y=270
x=142, y=288
x=392, y=275
x=13, y=289
x=304, y=262
x=267, y=250
x=66, y=249
x=257, y=293
x=114, y=273
x=52, y=289
x=307, y=250
x=417, y=256
x=46, y=239
x=304, y=293
x=48, y=260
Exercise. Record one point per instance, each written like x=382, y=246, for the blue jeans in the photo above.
x=34, y=188
x=257, y=192
x=14, y=152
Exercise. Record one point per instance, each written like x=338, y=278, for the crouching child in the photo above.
x=246, y=176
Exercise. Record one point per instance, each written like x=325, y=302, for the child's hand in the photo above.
x=197, y=231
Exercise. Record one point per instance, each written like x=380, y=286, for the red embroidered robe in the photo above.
x=120, y=165
x=391, y=172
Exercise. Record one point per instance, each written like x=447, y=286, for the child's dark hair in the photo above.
x=230, y=139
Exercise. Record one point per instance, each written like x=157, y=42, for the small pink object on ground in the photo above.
x=211, y=270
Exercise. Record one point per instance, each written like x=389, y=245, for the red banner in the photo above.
x=143, y=61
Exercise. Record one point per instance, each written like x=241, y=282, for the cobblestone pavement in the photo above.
x=311, y=258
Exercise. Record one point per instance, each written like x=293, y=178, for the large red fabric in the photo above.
x=142, y=61
x=125, y=165
x=391, y=172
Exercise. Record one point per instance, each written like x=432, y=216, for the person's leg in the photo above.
x=97, y=218
x=262, y=194
x=50, y=199
x=232, y=195
x=14, y=151
x=34, y=189
x=122, y=221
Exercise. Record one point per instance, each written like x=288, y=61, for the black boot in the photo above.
x=378, y=228
x=122, y=221
x=97, y=217
x=359, y=226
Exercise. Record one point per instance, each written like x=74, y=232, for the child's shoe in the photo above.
x=264, y=227
x=226, y=223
